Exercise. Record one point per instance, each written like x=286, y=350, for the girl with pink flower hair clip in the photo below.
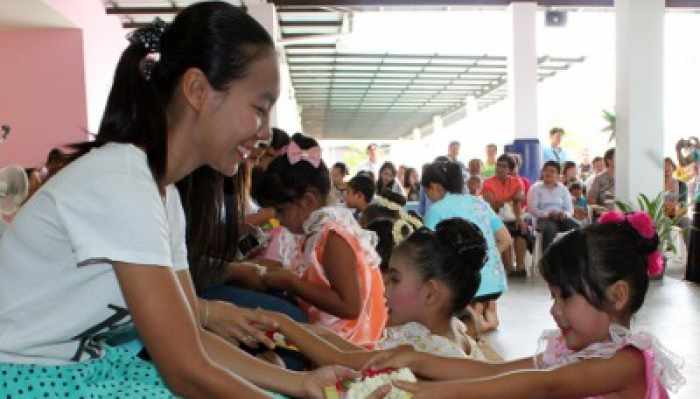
x=598, y=277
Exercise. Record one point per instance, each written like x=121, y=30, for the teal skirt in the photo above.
x=118, y=374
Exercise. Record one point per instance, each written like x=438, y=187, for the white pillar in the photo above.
x=285, y=114
x=522, y=70
x=639, y=105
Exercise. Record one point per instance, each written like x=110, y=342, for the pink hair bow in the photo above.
x=311, y=155
x=642, y=223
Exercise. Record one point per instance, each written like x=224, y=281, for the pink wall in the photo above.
x=104, y=39
x=42, y=87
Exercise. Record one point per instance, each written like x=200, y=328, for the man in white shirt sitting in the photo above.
x=550, y=202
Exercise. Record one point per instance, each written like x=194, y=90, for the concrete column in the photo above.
x=285, y=114
x=522, y=70
x=639, y=104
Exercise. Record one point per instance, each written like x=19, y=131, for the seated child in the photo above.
x=580, y=203
x=598, y=278
x=335, y=275
x=359, y=194
x=474, y=185
x=432, y=276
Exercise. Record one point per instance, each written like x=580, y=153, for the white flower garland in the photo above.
x=404, y=220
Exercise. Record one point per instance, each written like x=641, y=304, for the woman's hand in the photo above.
x=239, y=325
x=245, y=274
x=314, y=382
x=279, y=278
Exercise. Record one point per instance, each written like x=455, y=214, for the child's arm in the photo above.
x=335, y=339
x=342, y=298
x=319, y=350
x=434, y=367
x=623, y=372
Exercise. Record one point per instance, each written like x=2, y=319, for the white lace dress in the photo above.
x=662, y=366
x=422, y=340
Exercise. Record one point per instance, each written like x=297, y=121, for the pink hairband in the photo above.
x=311, y=155
x=642, y=223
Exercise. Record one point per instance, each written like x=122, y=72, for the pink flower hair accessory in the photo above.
x=611, y=217
x=311, y=155
x=642, y=223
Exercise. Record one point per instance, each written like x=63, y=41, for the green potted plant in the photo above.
x=655, y=209
x=611, y=120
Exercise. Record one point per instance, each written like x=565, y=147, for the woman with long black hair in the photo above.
x=101, y=246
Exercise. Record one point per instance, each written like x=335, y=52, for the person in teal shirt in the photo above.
x=442, y=182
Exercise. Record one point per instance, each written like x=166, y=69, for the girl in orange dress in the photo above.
x=335, y=273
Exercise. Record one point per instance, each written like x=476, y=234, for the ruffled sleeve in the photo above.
x=421, y=339
x=553, y=353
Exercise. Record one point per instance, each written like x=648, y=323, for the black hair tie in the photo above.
x=149, y=36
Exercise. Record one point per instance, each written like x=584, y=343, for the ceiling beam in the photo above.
x=542, y=3
x=141, y=10
x=310, y=24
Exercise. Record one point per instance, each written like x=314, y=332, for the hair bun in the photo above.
x=464, y=239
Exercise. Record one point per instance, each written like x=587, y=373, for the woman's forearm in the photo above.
x=321, y=351
x=251, y=369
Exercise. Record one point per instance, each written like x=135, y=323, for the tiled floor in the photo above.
x=671, y=312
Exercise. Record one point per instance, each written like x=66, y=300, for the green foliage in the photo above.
x=611, y=119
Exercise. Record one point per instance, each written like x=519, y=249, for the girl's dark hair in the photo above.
x=393, y=197
x=342, y=167
x=376, y=211
x=380, y=184
x=454, y=254
x=384, y=227
x=448, y=174
x=589, y=260
x=407, y=176
x=283, y=182
x=568, y=165
x=280, y=138
x=222, y=41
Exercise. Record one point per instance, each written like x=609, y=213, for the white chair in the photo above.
x=680, y=257
x=537, y=252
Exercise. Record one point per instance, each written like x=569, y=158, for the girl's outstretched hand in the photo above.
x=399, y=357
x=315, y=381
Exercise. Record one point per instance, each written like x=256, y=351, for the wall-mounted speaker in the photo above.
x=555, y=18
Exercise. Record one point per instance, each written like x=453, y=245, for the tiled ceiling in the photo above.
x=364, y=95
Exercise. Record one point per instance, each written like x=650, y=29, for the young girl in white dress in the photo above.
x=432, y=276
